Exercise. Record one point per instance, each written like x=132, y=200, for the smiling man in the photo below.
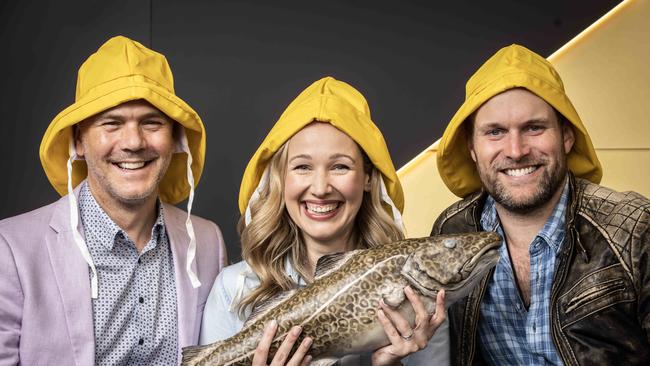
x=111, y=273
x=572, y=285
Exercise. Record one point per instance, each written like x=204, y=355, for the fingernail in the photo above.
x=307, y=342
x=308, y=358
x=272, y=324
x=296, y=331
x=381, y=313
x=408, y=289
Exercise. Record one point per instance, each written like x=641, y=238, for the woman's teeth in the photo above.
x=131, y=166
x=314, y=208
x=520, y=172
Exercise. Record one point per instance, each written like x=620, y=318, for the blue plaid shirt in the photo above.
x=510, y=334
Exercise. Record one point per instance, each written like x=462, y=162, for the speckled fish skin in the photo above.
x=339, y=309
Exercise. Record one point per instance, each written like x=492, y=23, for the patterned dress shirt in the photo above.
x=509, y=333
x=135, y=313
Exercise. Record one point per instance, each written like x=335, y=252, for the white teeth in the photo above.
x=131, y=166
x=321, y=208
x=520, y=172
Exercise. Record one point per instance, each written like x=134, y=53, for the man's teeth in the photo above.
x=520, y=172
x=321, y=208
x=131, y=166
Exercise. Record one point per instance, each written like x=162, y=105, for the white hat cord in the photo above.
x=74, y=223
x=397, y=216
x=183, y=146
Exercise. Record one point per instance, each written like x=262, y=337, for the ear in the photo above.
x=78, y=145
x=366, y=181
x=569, y=137
x=470, y=147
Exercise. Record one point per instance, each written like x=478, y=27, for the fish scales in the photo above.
x=339, y=309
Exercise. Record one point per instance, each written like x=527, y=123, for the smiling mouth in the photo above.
x=321, y=209
x=519, y=172
x=132, y=165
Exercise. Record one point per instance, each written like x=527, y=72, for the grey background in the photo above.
x=239, y=63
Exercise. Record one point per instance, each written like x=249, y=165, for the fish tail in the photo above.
x=190, y=353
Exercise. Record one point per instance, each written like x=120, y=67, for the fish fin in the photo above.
x=331, y=262
x=192, y=352
x=325, y=362
x=266, y=305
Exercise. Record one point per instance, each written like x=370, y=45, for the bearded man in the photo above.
x=572, y=283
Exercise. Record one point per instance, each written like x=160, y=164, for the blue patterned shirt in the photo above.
x=510, y=334
x=135, y=313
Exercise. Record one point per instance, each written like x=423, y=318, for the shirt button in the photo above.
x=139, y=261
x=141, y=341
x=141, y=300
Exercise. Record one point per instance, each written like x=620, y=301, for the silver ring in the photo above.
x=408, y=337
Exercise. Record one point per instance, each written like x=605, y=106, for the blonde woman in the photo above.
x=321, y=182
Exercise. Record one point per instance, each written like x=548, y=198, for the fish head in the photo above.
x=454, y=263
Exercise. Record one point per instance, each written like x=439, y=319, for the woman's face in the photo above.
x=324, y=185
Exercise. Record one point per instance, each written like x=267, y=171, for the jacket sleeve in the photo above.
x=641, y=265
x=11, y=306
x=218, y=321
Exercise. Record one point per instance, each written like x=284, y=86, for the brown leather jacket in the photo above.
x=600, y=298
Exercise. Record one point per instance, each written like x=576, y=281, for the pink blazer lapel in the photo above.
x=73, y=281
x=186, y=295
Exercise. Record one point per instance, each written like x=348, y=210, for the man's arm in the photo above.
x=641, y=265
x=11, y=306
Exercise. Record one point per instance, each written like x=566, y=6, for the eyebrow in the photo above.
x=527, y=123
x=119, y=117
x=332, y=157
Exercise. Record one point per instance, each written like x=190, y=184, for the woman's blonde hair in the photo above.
x=271, y=238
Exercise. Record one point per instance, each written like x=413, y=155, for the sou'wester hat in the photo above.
x=330, y=101
x=511, y=67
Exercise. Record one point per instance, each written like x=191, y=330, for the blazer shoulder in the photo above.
x=28, y=225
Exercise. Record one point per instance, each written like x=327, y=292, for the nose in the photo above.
x=516, y=146
x=132, y=138
x=320, y=185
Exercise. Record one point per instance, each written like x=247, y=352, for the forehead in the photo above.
x=133, y=108
x=321, y=138
x=513, y=106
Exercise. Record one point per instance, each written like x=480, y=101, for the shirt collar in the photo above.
x=104, y=223
x=552, y=233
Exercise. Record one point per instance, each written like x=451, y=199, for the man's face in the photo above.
x=127, y=149
x=520, y=149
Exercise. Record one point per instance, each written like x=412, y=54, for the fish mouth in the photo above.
x=470, y=270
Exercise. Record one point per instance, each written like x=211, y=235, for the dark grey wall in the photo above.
x=239, y=63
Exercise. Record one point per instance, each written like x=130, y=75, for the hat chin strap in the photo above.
x=74, y=223
x=397, y=216
x=183, y=146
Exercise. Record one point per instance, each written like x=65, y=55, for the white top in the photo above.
x=221, y=320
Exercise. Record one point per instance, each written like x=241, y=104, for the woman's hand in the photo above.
x=300, y=358
x=404, y=339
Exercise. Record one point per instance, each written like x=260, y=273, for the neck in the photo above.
x=521, y=228
x=317, y=249
x=136, y=219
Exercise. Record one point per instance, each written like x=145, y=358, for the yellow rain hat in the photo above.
x=120, y=71
x=511, y=67
x=335, y=102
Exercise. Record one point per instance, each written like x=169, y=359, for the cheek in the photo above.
x=351, y=187
x=293, y=188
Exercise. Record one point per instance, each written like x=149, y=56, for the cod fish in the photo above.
x=339, y=308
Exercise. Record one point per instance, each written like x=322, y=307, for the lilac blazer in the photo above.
x=46, y=313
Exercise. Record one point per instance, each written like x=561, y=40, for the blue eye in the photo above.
x=340, y=167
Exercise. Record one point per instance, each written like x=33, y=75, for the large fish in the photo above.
x=339, y=308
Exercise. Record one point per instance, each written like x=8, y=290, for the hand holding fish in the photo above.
x=299, y=358
x=404, y=338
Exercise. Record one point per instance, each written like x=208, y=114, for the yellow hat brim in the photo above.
x=54, y=149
